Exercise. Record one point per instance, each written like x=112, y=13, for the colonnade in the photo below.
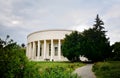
x=37, y=50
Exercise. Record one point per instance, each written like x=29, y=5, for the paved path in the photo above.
x=85, y=71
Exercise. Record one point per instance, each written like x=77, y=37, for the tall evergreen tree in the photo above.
x=98, y=24
x=97, y=46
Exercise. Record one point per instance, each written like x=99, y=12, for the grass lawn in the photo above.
x=54, y=69
x=110, y=69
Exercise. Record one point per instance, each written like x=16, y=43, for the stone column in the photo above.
x=33, y=52
x=59, y=49
x=44, y=57
x=52, y=50
x=27, y=50
x=30, y=50
x=38, y=50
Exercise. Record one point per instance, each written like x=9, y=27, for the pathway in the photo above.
x=85, y=71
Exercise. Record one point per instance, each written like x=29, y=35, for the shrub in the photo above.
x=50, y=70
x=107, y=69
x=57, y=72
x=12, y=63
x=31, y=71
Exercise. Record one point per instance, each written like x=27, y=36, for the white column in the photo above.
x=44, y=49
x=33, y=52
x=59, y=49
x=52, y=50
x=38, y=50
x=30, y=50
x=27, y=51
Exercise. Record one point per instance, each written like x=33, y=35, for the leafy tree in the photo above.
x=23, y=48
x=12, y=59
x=23, y=45
x=91, y=43
x=96, y=44
x=71, y=46
x=116, y=51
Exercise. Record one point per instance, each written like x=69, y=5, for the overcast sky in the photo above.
x=18, y=18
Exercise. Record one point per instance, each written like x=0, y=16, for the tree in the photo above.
x=116, y=51
x=23, y=45
x=96, y=44
x=12, y=59
x=71, y=46
x=91, y=43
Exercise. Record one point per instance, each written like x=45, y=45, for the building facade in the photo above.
x=46, y=45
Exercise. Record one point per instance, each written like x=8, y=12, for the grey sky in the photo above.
x=18, y=18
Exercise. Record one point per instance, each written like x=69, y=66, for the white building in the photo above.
x=46, y=45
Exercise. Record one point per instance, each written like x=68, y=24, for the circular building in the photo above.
x=46, y=45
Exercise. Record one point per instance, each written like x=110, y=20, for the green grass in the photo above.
x=110, y=69
x=51, y=69
x=67, y=65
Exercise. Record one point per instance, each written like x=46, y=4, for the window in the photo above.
x=40, y=51
x=56, y=51
x=49, y=49
x=61, y=51
x=36, y=50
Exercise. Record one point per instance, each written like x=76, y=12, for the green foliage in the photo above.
x=71, y=46
x=12, y=59
x=51, y=70
x=101, y=66
x=107, y=69
x=23, y=45
x=96, y=45
x=116, y=51
x=91, y=43
x=31, y=71
x=14, y=64
x=57, y=72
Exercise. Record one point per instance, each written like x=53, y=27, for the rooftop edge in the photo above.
x=49, y=30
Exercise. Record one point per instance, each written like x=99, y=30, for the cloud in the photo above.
x=114, y=36
x=112, y=24
x=80, y=27
x=21, y=17
x=15, y=22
